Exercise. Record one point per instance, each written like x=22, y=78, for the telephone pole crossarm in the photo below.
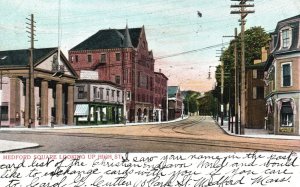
x=243, y=14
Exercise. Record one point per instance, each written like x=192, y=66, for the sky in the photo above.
x=172, y=27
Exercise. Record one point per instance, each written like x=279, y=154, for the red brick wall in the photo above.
x=144, y=64
x=160, y=88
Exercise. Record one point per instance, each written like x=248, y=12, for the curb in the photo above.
x=281, y=137
x=88, y=126
x=9, y=145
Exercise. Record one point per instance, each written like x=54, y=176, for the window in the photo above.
x=95, y=91
x=128, y=96
x=260, y=92
x=89, y=58
x=118, y=79
x=286, y=74
x=81, y=94
x=112, y=94
x=72, y=59
x=4, y=113
x=107, y=93
x=260, y=74
x=118, y=93
x=118, y=57
x=76, y=58
x=103, y=58
x=254, y=93
x=126, y=76
x=286, y=114
x=101, y=93
x=254, y=72
x=286, y=38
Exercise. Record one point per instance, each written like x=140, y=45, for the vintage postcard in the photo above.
x=149, y=93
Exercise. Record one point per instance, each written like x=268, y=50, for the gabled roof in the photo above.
x=20, y=58
x=110, y=39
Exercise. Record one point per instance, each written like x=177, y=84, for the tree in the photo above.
x=255, y=39
x=190, y=101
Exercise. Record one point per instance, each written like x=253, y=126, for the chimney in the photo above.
x=264, y=54
x=159, y=70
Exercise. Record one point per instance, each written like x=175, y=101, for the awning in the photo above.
x=81, y=110
x=280, y=101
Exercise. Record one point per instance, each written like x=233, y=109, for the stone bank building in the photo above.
x=53, y=88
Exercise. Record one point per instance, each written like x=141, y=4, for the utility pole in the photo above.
x=222, y=88
x=236, y=89
x=222, y=91
x=31, y=120
x=1, y=98
x=243, y=12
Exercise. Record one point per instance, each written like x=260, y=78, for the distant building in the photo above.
x=53, y=88
x=282, y=78
x=160, y=96
x=121, y=56
x=255, y=102
x=175, y=102
x=98, y=102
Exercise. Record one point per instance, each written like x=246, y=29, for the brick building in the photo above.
x=121, y=56
x=255, y=102
x=160, y=96
x=282, y=78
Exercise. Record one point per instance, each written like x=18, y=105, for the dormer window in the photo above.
x=286, y=37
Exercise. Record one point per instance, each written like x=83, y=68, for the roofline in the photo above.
x=290, y=18
x=161, y=74
x=66, y=61
x=98, y=81
x=72, y=49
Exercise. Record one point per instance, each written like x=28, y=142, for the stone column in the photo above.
x=14, y=101
x=70, y=105
x=44, y=103
x=58, y=104
x=26, y=123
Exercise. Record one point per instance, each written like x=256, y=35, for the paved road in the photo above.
x=196, y=134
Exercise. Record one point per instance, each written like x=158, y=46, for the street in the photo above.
x=195, y=134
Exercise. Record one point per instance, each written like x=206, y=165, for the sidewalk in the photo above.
x=256, y=133
x=6, y=145
x=43, y=128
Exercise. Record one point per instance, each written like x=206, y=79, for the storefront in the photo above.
x=98, y=102
x=98, y=113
